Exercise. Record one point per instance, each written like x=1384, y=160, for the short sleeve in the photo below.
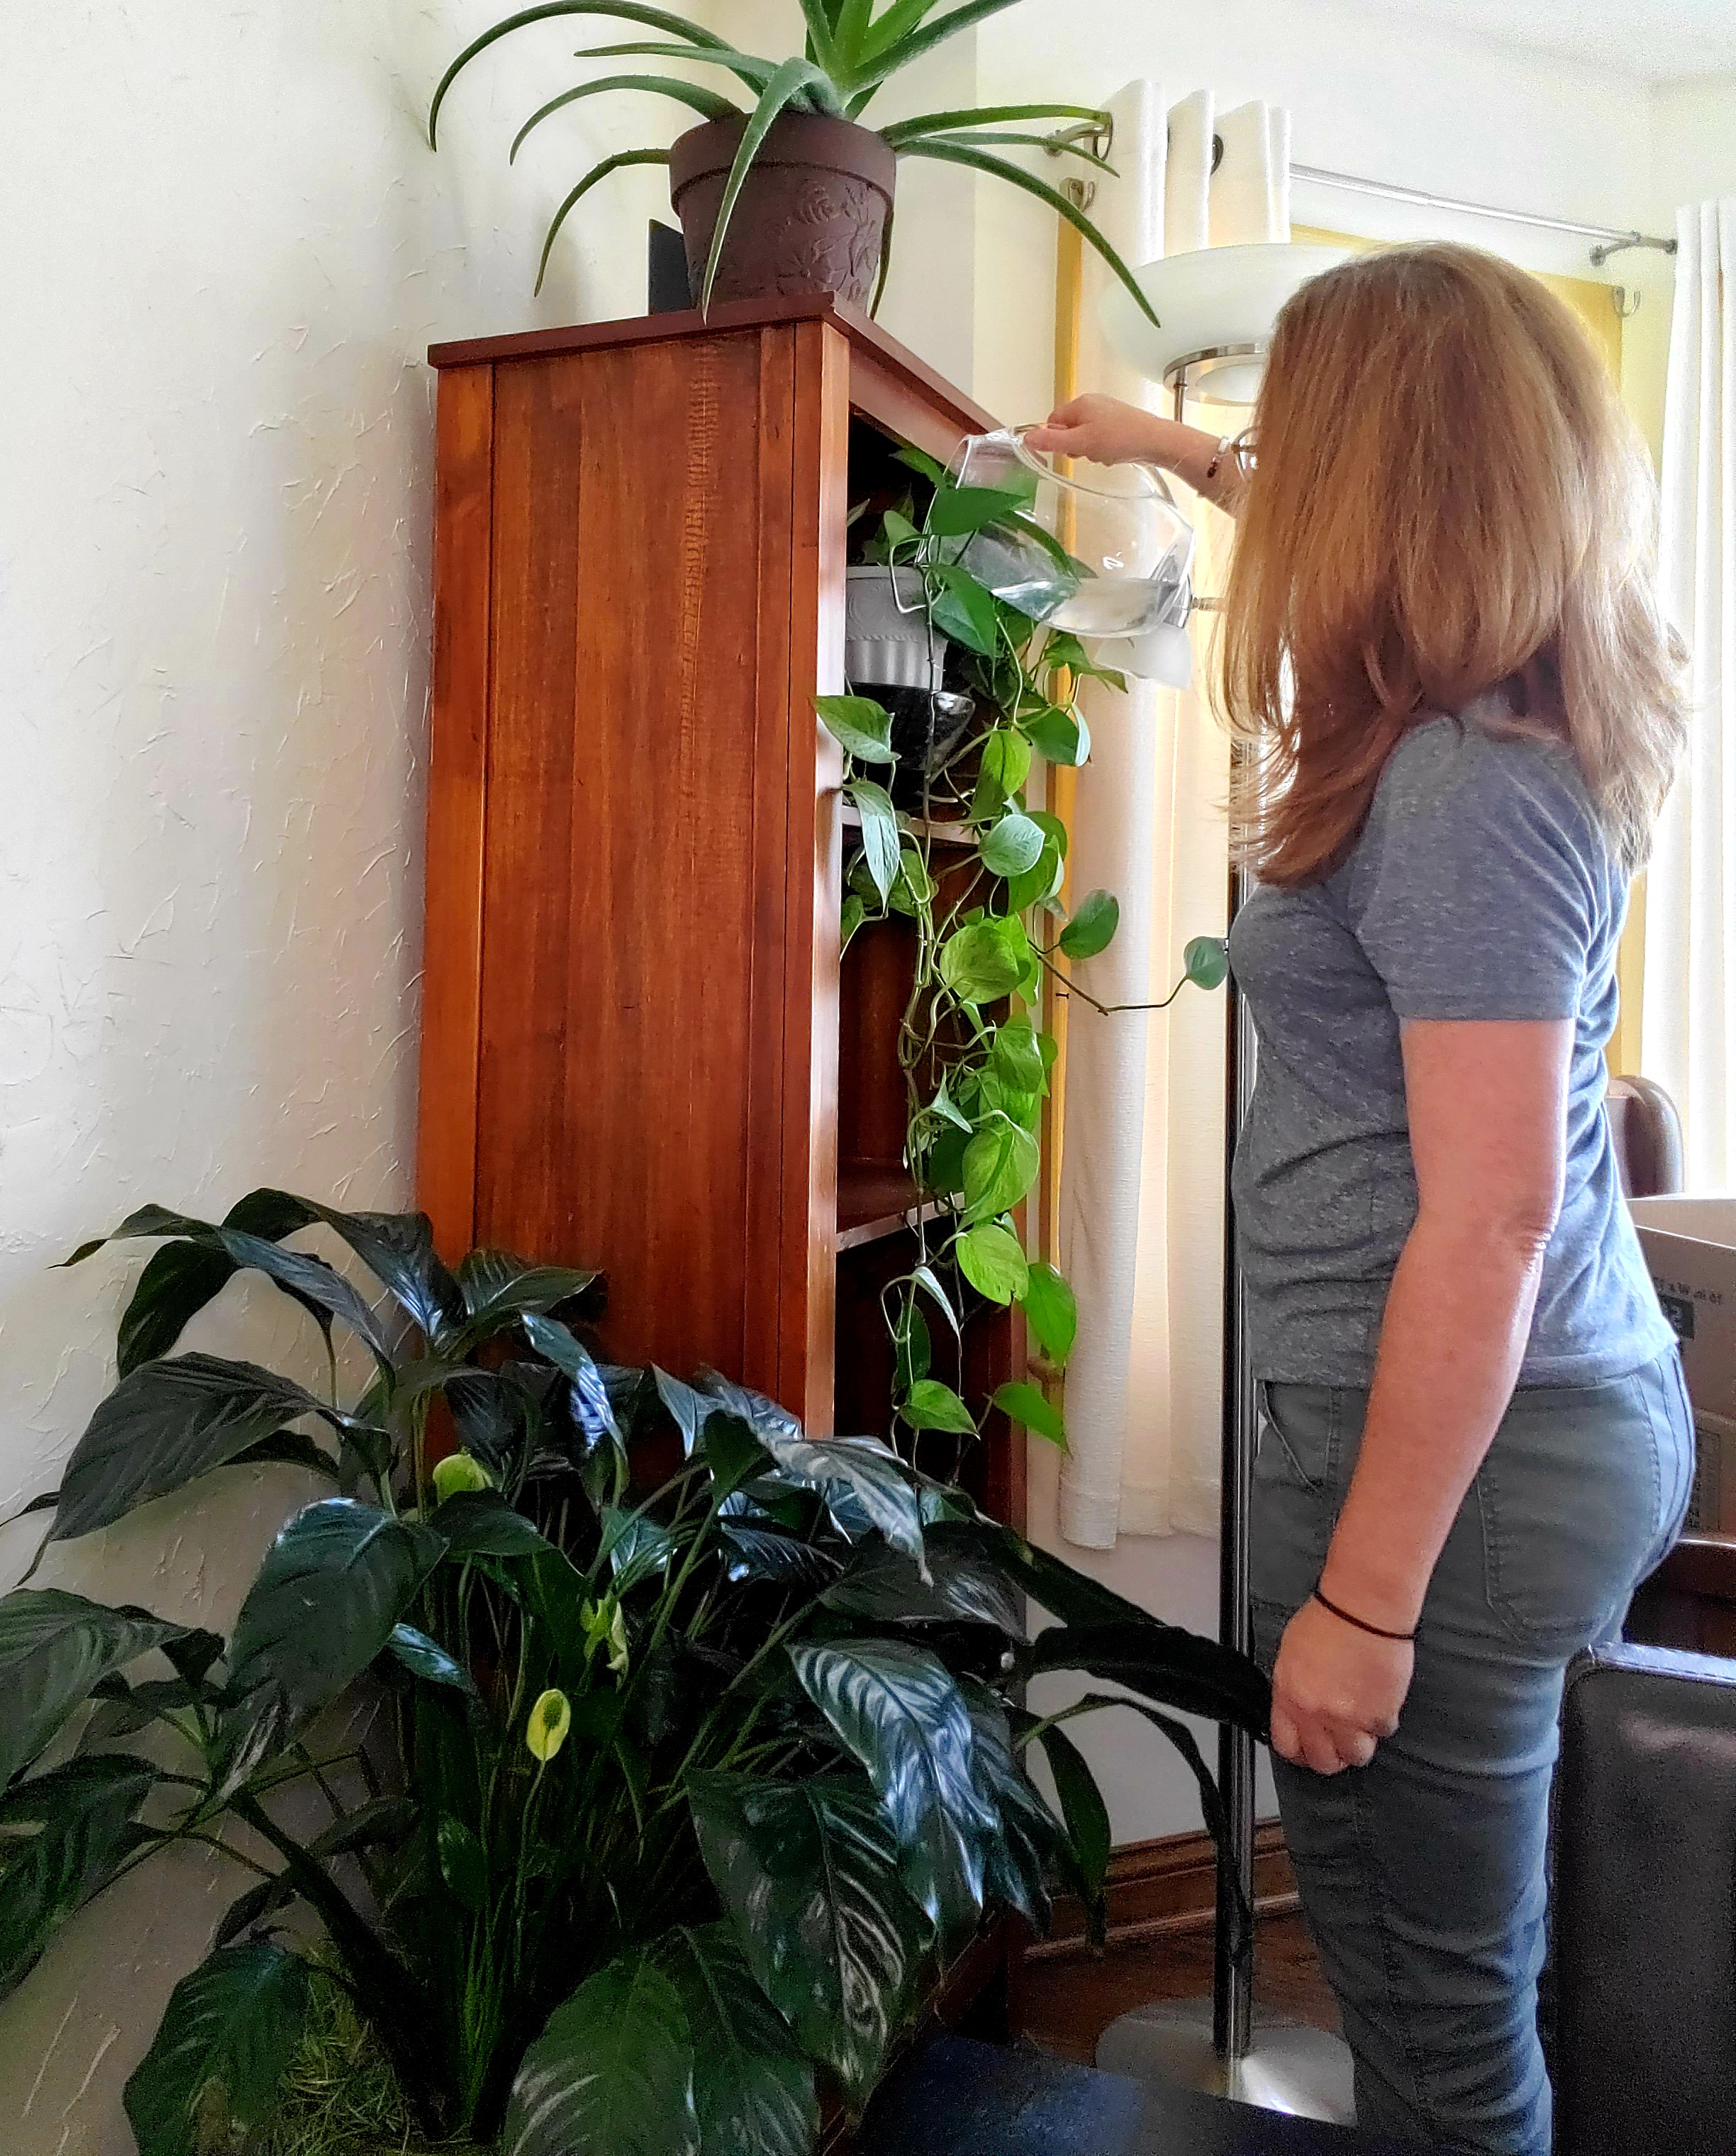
x=1475, y=891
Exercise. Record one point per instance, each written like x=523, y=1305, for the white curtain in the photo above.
x=1141, y=1205
x=1688, y=1023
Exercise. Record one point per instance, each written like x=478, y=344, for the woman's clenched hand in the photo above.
x=1336, y=1691
x=1103, y=431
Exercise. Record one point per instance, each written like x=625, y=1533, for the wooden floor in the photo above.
x=1068, y=2002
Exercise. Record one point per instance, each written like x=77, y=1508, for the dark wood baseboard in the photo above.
x=1168, y=1886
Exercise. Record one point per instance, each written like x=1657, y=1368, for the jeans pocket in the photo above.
x=1294, y=1500
x=1571, y=1496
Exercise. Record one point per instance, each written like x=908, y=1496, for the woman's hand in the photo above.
x=1103, y=431
x=1336, y=1691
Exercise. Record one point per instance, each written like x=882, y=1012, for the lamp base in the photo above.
x=1290, y=2066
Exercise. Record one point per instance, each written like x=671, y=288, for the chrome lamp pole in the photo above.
x=1219, y=2044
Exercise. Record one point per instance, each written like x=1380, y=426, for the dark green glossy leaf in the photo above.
x=868, y=1473
x=83, y=1814
x=463, y=1865
x=1000, y=1166
x=1089, y=1838
x=167, y=1422
x=859, y=725
x=221, y=2049
x=687, y=1409
x=1051, y=1312
x=1206, y=960
x=755, y=1551
x=880, y=833
x=1026, y=1847
x=326, y=1601
x=1012, y=845
x=992, y=1259
x=591, y=1406
x=912, y=1349
x=289, y=1448
x=427, y=1659
x=1092, y=927
x=731, y=1451
x=1028, y=1405
x=55, y=1649
x=809, y=1873
x=920, y=461
x=925, y=1278
x=176, y=1285
x=612, y=2072
x=481, y=1523
x=931, y=1405
x=637, y=1548
x=499, y=1289
x=753, y=2088
x=884, y=1587
x=897, y=1708
x=1163, y=1663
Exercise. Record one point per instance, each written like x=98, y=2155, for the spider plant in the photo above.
x=850, y=51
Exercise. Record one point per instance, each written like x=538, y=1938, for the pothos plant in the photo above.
x=975, y=1062
x=699, y=1744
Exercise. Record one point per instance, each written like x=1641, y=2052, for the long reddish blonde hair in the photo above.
x=1448, y=496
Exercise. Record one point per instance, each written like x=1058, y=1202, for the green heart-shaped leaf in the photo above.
x=859, y=725
x=993, y=1260
x=1025, y=1404
x=1092, y=927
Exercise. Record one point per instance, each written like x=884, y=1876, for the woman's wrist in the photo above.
x=1387, y=1596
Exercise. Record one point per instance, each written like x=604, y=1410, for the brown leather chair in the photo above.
x=1647, y=1132
x=1645, y=1908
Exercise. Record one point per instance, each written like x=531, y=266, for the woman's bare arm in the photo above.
x=1103, y=430
x=1486, y=1102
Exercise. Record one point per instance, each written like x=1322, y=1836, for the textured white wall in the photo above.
x=224, y=249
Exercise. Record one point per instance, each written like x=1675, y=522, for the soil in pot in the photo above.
x=811, y=216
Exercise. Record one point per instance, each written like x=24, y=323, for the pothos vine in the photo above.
x=990, y=924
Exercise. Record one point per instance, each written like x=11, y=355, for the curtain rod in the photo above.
x=1613, y=237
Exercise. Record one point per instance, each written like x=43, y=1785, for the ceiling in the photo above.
x=1658, y=40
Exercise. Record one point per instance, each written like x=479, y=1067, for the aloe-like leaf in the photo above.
x=612, y=2072
x=332, y=1587
x=901, y=131
x=896, y=1707
x=898, y=20
x=747, y=68
x=819, y=34
x=753, y=2088
x=894, y=48
x=809, y=1873
x=706, y=102
x=84, y=1818
x=793, y=77
x=954, y=152
x=164, y=1424
x=221, y=2049
x=625, y=11
x=55, y=1649
x=600, y=171
x=1020, y=139
x=1164, y=1663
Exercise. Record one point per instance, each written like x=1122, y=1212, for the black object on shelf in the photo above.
x=927, y=726
x=957, y=2097
x=667, y=291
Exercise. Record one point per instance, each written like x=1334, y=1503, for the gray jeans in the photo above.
x=1423, y=1875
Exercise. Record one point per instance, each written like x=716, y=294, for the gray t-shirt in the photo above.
x=1480, y=887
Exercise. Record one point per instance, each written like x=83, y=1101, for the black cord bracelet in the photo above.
x=1377, y=1631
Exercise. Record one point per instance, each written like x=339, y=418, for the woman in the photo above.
x=1461, y=713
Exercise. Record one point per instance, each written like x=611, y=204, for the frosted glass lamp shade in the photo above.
x=1211, y=298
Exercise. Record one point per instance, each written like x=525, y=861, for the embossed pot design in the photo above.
x=811, y=216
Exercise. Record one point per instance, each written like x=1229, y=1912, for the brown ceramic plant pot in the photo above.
x=811, y=216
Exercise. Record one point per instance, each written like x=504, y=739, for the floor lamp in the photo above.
x=1217, y=308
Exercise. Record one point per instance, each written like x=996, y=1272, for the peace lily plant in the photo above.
x=621, y=1780
x=849, y=53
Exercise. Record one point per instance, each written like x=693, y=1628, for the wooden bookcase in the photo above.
x=639, y=1051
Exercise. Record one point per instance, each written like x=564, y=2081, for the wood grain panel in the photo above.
x=618, y=991
x=457, y=785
